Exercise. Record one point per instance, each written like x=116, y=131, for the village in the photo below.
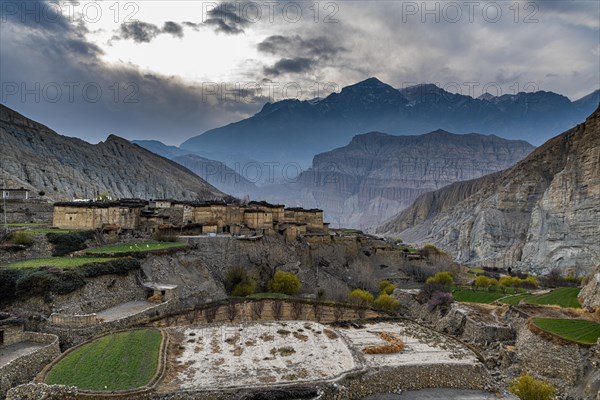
x=189, y=218
x=193, y=286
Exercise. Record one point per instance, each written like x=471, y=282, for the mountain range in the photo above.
x=62, y=168
x=540, y=214
x=294, y=131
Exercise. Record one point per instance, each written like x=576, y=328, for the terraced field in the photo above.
x=59, y=262
x=575, y=330
x=135, y=247
x=563, y=297
x=120, y=361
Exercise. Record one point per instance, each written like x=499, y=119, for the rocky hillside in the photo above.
x=540, y=214
x=294, y=131
x=35, y=157
x=369, y=180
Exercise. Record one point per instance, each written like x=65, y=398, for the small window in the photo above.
x=1, y=338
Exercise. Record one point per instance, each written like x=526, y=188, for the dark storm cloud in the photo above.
x=140, y=32
x=294, y=45
x=226, y=18
x=290, y=65
x=77, y=94
x=173, y=28
x=298, y=55
x=43, y=18
x=144, y=32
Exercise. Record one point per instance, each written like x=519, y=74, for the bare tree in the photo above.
x=210, y=313
x=297, y=309
x=317, y=311
x=257, y=309
x=277, y=309
x=338, y=313
x=232, y=311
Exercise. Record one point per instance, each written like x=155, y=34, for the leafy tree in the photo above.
x=430, y=250
x=285, y=282
x=527, y=387
x=505, y=282
x=386, y=302
x=360, y=296
x=386, y=286
x=441, y=278
x=493, y=284
x=530, y=282
x=482, y=282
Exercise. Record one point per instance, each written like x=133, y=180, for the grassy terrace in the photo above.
x=121, y=361
x=575, y=330
x=59, y=262
x=476, y=296
x=135, y=247
x=563, y=297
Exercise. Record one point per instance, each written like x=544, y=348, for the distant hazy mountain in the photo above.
x=376, y=175
x=540, y=214
x=293, y=130
x=35, y=157
x=218, y=174
x=161, y=149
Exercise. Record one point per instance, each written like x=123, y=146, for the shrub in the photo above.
x=239, y=283
x=65, y=243
x=386, y=286
x=441, y=300
x=8, y=284
x=359, y=296
x=527, y=387
x=285, y=282
x=386, y=302
x=23, y=238
x=441, y=278
x=430, y=250
x=162, y=236
x=245, y=288
x=428, y=290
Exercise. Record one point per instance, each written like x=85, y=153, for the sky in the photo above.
x=170, y=70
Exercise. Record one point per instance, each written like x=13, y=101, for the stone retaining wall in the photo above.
x=291, y=309
x=74, y=321
x=71, y=336
x=350, y=387
x=25, y=368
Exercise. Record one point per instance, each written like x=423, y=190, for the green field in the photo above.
x=26, y=225
x=59, y=262
x=476, y=296
x=135, y=247
x=51, y=230
x=121, y=361
x=563, y=297
x=576, y=330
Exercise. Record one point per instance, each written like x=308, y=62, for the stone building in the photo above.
x=15, y=194
x=190, y=218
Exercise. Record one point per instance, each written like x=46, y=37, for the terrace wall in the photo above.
x=71, y=336
x=25, y=368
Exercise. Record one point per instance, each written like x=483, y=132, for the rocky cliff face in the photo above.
x=370, y=179
x=589, y=297
x=37, y=158
x=541, y=214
